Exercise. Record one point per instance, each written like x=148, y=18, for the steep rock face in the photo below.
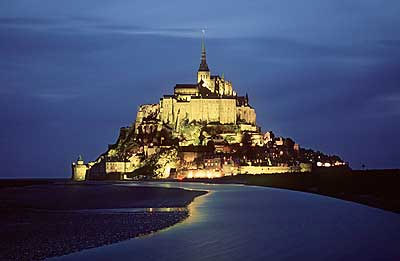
x=147, y=112
x=153, y=149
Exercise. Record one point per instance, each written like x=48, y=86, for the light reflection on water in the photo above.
x=235, y=222
x=127, y=210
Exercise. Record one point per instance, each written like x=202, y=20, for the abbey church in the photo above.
x=211, y=99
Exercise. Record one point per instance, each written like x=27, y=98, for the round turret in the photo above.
x=79, y=169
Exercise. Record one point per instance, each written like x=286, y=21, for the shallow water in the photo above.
x=124, y=210
x=235, y=222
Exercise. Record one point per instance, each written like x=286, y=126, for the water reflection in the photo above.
x=128, y=210
x=235, y=222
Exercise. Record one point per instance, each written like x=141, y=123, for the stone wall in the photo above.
x=224, y=86
x=206, y=78
x=147, y=111
x=186, y=91
x=79, y=171
x=213, y=110
x=118, y=167
x=199, y=109
x=246, y=114
x=230, y=169
x=103, y=169
x=166, y=110
x=248, y=127
x=273, y=169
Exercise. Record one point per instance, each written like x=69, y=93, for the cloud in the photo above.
x=390, y=98
x=390, y=43
x=55, y=97
x=387, y=105
x=77, y=24
x=23, y=21
x=134, y=29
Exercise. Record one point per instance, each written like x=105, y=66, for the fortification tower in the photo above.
x=79, y=169
x=204, y=72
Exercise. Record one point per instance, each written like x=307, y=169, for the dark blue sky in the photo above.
x=326, y=73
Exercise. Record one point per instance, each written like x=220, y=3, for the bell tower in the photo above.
x=203, y=73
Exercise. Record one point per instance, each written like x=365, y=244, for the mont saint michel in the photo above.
x=203, y=129
x=200, y=130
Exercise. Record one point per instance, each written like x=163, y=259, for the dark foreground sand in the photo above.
x=37, y=222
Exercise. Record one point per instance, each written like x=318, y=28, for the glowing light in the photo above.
x=210, y=174
x=338, y=163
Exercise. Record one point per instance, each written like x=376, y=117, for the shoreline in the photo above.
x=376, y=189
x=36, y=227
x=36, y=222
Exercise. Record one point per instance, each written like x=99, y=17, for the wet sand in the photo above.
x=374, y=188
x=41, y=221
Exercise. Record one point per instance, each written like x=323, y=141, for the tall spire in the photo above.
x=203, y=63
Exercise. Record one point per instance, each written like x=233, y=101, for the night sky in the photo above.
x=325, y=73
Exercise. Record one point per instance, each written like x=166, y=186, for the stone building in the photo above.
x=210, y=100
x=79, y=169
